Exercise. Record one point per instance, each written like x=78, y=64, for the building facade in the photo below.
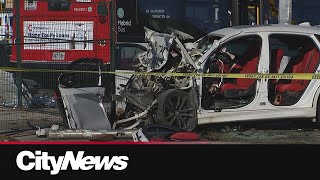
x=306, y=11
x=196, y=17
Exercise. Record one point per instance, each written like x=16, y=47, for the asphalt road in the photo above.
x=15, y=126
x=303, y=133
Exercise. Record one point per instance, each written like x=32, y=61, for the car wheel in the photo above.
x=176, y=109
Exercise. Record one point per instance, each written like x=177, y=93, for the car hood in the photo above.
x=164, y=48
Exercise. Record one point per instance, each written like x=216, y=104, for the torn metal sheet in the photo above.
x=84, y=108
x=161, y=47
x=157, y=54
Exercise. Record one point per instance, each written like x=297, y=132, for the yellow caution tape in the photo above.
x=297, y=76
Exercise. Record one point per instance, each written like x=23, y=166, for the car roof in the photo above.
x=266, y=28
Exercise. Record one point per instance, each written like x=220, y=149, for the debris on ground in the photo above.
x=7, y=139
x=253, y=136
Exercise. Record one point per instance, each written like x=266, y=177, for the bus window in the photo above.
x=102, y=12
x=58, y=5
x=102, y=9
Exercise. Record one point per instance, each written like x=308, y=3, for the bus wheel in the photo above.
x=176, y=109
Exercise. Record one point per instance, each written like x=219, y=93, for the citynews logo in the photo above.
x=27, y=160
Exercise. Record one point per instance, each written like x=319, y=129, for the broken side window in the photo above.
x=206, y=42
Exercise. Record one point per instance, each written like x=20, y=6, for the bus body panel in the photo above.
x=62, y=35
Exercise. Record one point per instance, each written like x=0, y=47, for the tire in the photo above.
x=176, y=109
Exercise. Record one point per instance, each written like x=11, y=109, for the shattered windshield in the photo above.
x=205, y=43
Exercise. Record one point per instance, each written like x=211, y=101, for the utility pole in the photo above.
x=235, y=13
x=18, y=47
x=285, y=11
x=112, y=56
x=244, y=9
x=261, y=17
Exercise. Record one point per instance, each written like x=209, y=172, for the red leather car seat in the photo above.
x=241, y=85
x=307, y=63
x=276, y=57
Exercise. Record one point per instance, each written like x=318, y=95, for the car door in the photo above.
x=292, y=53
x=239, y=55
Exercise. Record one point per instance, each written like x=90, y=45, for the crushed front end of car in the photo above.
x=166, y=100
x=149, y=100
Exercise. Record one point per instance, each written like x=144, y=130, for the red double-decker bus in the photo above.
x=62, y=31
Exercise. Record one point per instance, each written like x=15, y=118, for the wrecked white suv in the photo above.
x=185, y=102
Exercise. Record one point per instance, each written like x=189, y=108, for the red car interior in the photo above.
x=250, y=66
x=307, y=62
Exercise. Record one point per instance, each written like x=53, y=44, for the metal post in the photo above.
x=261, y=7
x=235, y=13
x=18, y=48
x=112, y=56
x=285, y=12
x=244, y=9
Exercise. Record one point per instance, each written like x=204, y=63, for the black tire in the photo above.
x=176, y=109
